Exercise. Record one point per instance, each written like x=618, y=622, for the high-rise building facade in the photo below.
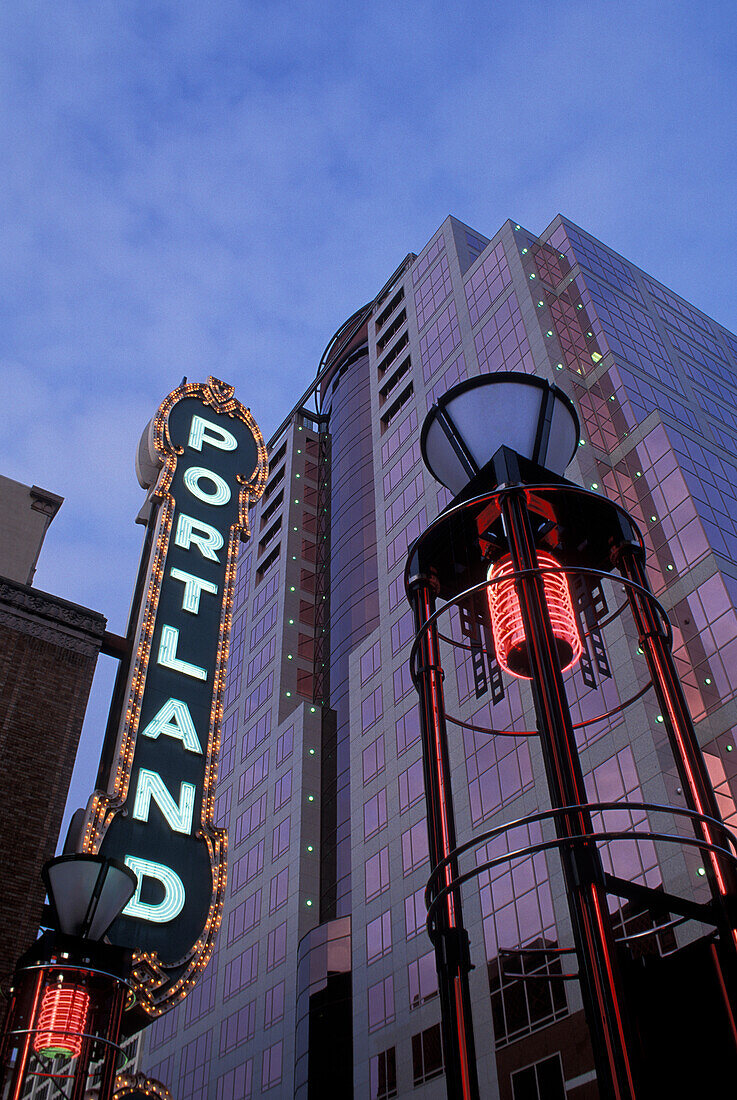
x=324, y=978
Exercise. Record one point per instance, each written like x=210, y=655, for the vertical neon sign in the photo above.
x=156, y=811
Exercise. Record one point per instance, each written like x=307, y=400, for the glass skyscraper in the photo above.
x=323, y=980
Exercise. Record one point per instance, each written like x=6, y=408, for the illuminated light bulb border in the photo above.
x=128, y=1084
x=149, y=977
x=506, y=616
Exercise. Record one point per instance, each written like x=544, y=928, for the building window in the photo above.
x=423, y=980
x=242, y=919
x=408, y=729
x=379, y=936
x=427, y=1055
x=381, y=1003
x=256, y=735
x=411, y=786
x=415, y=913
x=284, y=746
x=253, y=775
x=276, y=946
x=279, y=890
x=373, y=759
x=271, y=1066
x=377, y=874
x=237, y=1084
x=193, y=1068
x=372, y=708
x=541, y=1081
x=374, y=814
x=414, y=847
x=274, y=1005
x=238, y=1028
x=250, y=820
x=383, y=1075
x=241, y=972
x=402, y=678
x=402, y=631
x=370, y=662
x=282, y=790
x=247, y=867
x=280, y=839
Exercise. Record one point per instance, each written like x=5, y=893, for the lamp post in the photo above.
x=501, y=443
x=69, y=989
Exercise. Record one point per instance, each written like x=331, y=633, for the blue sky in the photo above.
x=194, y=188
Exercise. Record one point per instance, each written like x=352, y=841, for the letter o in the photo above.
x=192, y=479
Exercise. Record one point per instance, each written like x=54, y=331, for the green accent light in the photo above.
x=291, y=588
x=312, y=710
x=310, y=848
x=525, y=251
x=670, y=568
x=549, y=332
x=660, y=718
x=701, y=872
x=312, y=752
x=289, y=656
x=653, y=519
x=595, y=356
x=533, y=276
x=310, y=798
x=288, y=694
x=707, y=680
x=594, y=484
x=308, y=903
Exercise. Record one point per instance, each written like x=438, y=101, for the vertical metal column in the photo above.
x=110, y=1066
x=451, y=945
x=587, y=900
x=695, y=782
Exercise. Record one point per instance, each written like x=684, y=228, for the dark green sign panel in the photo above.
x=156, y=814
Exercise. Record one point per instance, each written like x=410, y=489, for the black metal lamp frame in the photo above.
x=529, y=508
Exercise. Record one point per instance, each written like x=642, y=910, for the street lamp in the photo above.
x=69, y=989
x=518, y=532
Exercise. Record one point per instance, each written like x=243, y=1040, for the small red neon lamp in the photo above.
x=506, y=618
x=62, y=1019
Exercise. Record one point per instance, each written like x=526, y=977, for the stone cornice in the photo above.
x=39, y=615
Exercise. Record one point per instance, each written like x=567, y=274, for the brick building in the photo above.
x=48, y=652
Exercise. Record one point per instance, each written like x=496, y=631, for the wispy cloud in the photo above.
x=212, y=187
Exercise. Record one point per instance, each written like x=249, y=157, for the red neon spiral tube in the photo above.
x=62, y=1019
x=506, y=617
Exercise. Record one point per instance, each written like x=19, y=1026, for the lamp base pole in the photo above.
x=587, y=899
x=451, y=940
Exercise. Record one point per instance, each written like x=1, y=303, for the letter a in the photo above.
x=174, y=720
